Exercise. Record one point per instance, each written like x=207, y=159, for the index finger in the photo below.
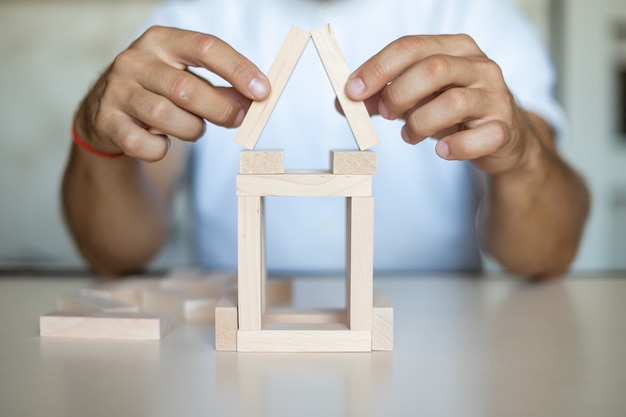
x=398, y=56
x=182, y=48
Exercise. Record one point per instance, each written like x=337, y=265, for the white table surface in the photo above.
x=463, y=347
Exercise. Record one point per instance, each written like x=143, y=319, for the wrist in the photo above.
x=81, y=139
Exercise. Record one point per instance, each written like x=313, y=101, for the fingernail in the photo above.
x=355, y=88
x=382, y=109
x=405, y=135
x=258, y=87
x=239, y=118
x=442, y=149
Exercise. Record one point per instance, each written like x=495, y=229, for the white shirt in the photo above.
x=425, y=207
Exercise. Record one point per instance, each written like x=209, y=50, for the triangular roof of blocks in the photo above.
x=279, y=73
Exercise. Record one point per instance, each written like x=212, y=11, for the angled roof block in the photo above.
x=279, y=73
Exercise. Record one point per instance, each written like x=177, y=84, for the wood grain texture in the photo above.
x=278, y=75
x=100, y=325
x=338, y=72
x=353, y=162
x=261, y=162
x=304, y=184
x=249, y=262
x=360, y=262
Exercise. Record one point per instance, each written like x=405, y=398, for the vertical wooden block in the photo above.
x=100, y=325
x=382, y=326
x=360, y=262
x=278, y=75
x=226, y=323
x=353, y=162
x=338, y=72
x=249, y=262
x=262, y=162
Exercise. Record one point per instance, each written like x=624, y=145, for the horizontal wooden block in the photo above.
x=226, y=323
x=179, y=303
x=100, y=325
x=382, y=326
x=305, y=316
x=329, y=337
x=79, y=301
x=305, y=184
x=353, y=162
x=261, y=162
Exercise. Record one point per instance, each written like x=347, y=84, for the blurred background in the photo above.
x=51, y=51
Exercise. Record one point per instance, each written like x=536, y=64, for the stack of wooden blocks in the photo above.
x=243, y=322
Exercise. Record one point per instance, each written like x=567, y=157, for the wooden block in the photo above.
x=226, y=323
x=382, y=326
x=209, y=283
x=338, y=72
x=127, y=290
x=305, y=316
x=179, y=303
x=360, y=262
x=79, y=301
x=321, y=337
x=261, y=162
x=304, y=184
x=278, y=291
x=100, y=325
x=353, y=162
x=278, y=75
x=249, y=262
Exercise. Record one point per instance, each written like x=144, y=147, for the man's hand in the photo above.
x=445, y=87
x=147, y=94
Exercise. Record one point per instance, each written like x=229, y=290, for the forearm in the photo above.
x=534, y=216
x=115, y=214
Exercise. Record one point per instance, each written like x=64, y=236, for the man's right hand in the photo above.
x=147, y=94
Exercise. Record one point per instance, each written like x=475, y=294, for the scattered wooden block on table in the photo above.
x=82, y=302
x=262, y=162
x=226, y=323
x=382, y=327
x=179, y=303
x=353, y=162
x=126, y=290
x=209, y=283
x=100, y=325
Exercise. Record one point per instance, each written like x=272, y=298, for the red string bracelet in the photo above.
x=90, y=149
